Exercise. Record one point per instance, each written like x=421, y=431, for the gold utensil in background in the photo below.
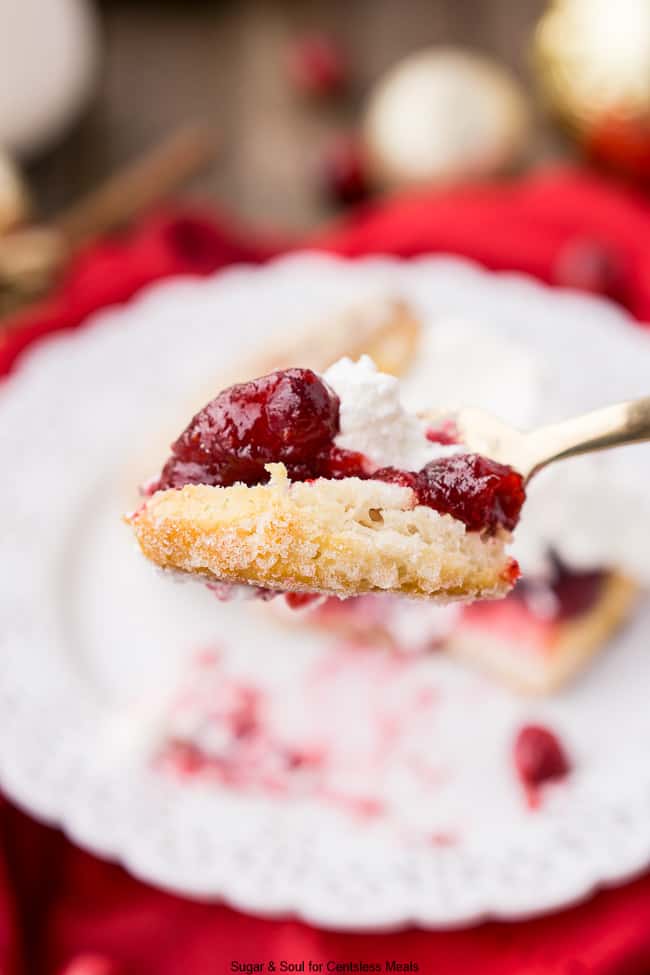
x=31, y=257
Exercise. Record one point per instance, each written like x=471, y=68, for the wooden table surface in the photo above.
x=223, y=62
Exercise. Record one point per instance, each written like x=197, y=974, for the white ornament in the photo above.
x=48, y=58
x=442, y=115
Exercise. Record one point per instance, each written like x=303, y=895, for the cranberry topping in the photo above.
x=539, y=756
x=290, y=416
x=578, y=592
x=339, y=463
x=573, y=592
x=222, y=470
x=393, y=475
x=512, y=572
x=474, y=489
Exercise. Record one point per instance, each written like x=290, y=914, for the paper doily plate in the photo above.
x=92, y=641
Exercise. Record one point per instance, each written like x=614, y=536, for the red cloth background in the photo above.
x=62, y=910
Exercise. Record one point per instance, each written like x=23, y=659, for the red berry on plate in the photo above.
x=317, y=65
x=338, y=463
x=345, y=180
x=539, y=756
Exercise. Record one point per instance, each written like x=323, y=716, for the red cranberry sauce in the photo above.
x=478, y=491
x=539, y=756
x=292, y=417
x=573, y=591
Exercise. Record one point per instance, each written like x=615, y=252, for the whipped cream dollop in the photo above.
x=374, y=422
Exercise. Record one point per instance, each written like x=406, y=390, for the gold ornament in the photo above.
x=593, y=63
x=442, y=115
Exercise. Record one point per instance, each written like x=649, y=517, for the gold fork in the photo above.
x=528, y=453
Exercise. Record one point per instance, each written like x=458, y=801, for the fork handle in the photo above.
x=612, y=426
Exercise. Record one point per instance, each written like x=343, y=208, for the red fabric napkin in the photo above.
x=62, y=910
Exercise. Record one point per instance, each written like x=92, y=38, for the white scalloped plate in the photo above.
x=92, y=641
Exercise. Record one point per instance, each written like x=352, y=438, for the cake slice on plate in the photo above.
x=541, y=636
x=325, y=484
x=384, y=327
x=547, y=630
